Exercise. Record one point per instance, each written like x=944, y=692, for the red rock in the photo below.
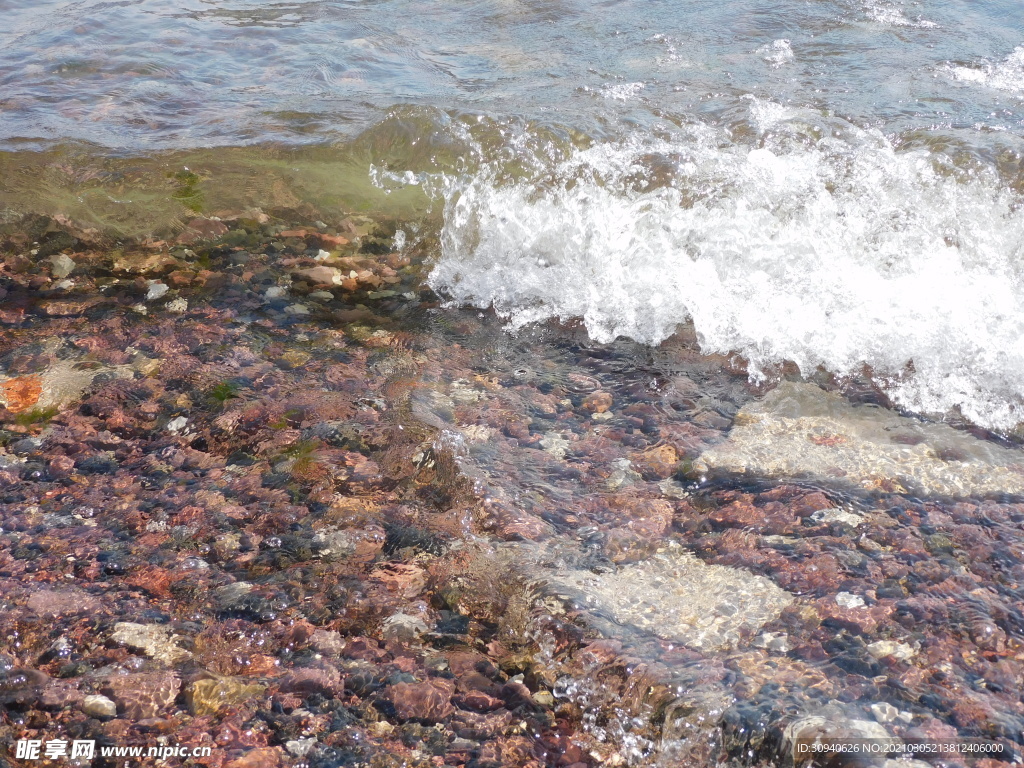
x=479, y=701
x=50, y=603
x=179, y=279
x=319, y=275
x=404, y=579
x=429, y=701
x=335, y=241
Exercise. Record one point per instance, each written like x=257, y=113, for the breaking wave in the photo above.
x=813, y=241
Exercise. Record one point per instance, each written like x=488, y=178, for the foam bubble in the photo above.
x=777, y=54
x=824, y=246
x=891, y=15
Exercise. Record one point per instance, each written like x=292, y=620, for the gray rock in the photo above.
x=403, y=628
x=327, y=642
x=884, y=712
x=63, y=265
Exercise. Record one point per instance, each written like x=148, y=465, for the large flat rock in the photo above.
x=800, y=431
x=677, y=597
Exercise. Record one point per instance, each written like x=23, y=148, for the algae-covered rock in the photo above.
x=210, y=696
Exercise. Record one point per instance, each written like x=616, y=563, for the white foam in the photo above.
x=1007, y=75
x=831, y=252
x=891, y=14
x=777, y=54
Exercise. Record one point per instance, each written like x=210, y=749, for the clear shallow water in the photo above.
x=836, y=184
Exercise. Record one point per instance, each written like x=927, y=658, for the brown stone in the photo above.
x=260, y=757
x=657, y=463
x=319, y=275
x=479, y=701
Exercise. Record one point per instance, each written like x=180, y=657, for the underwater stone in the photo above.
x=799, y=430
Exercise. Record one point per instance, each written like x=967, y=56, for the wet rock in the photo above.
x=320, y=275
x=22, y=686
x=404, y=579
x=325, y=680
x=258, y=757
x=141, y=695
x=598, y=402
x=429, y=701
x=884, y=712
x=403, y=628
x=51, y=603
x=99, y=707
x=891, y=648
x=202, y=229
x=478, y=701
x=657, y=463
x=155, y=641
x=676, y=597
x=210, y=696
x=799, y=430
x=327, y=642
x=62, y=265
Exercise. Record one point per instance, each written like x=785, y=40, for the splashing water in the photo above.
x=819, y=243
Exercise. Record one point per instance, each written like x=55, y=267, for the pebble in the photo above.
x=296, y=309
x=883, y=648
x=62, y=265
x=176, y=425
x=403, y=628
x=884, y=712
x=156, y=290
x=847, y=600
x=275, y=292
x=598, y=402
x=99, y=707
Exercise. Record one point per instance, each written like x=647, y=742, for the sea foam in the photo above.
x=817, y=243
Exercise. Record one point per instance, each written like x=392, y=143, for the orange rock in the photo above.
x=21, y=393
x=405, y=579
x=598, y=402
x=260, y=757
x=335, y=240
x=658, y=462
x=293, y=233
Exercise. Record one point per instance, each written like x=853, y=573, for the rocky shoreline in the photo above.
x=261, y=492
